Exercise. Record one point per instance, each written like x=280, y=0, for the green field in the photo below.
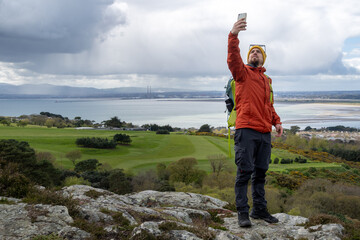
x=146, y=150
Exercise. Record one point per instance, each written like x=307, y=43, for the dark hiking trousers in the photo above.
x=252, y=157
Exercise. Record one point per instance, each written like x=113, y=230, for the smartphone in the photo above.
x=242, y=15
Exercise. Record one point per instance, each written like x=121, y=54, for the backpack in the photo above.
x=231, y=105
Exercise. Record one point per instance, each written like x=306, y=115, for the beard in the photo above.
x=255, y=62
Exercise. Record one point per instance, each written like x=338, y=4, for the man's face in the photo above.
x=256, y=57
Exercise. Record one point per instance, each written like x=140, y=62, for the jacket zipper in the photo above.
x=264, y=108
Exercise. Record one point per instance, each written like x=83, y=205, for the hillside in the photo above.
x=322, y=194
x=101, y=214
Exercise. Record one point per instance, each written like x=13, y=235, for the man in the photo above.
x=255, y=117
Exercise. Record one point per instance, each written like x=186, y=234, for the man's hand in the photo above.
x=279, y=130
x=240, y=25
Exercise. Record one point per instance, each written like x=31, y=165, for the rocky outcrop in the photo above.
x=151, y=214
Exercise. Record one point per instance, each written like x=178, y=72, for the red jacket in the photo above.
x=252, y=92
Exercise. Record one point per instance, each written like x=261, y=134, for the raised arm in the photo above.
x=234, y=60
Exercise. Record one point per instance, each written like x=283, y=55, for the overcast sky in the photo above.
x=311, y=45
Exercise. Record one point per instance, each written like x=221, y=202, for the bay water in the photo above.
x=183, y=113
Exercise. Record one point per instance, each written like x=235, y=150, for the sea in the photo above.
x=182, y=113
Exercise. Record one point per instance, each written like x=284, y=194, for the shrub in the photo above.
x=319, y=196
x=45, y=174
x=348, y=205
x=321, y=219
x=70, y=181
x=86, y=165
x=94, y=194
x=52, y=236
x=19, y=168
x=119, y=182
x=97, y=179
x=276, y=160
x=222, y=180
x=286, y=181
x=50, y=197
x=286, y=161
x=96, y=142
x=146, y=180
x=162, y=131
x=122, y=138
x=162, y=172
x=300, y=160
x=13, y=183
x=276, y=199
x=17, y=152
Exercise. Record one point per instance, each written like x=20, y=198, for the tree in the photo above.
x=49, y=122
x=73, y=156
x=23, y=123
x=20, y=159
x=294, y=129
x=146, y=180
x=184, y=170
x=113, y=122
x=205, y=128
x=40, y=156
x=5, y=122
x=38, y=120
x=218, y=163
x=308, y=128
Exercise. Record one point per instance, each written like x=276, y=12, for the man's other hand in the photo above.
x=279, y=130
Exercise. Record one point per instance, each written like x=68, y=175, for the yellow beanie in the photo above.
x=262, y=52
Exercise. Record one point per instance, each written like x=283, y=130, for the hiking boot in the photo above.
x=243, y=219
x=264, y=215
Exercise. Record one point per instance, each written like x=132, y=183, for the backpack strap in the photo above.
x=230, y=90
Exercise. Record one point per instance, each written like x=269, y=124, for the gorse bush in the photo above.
x=96, y=142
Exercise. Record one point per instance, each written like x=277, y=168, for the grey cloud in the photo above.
x=33, y=28
x=338, y=67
